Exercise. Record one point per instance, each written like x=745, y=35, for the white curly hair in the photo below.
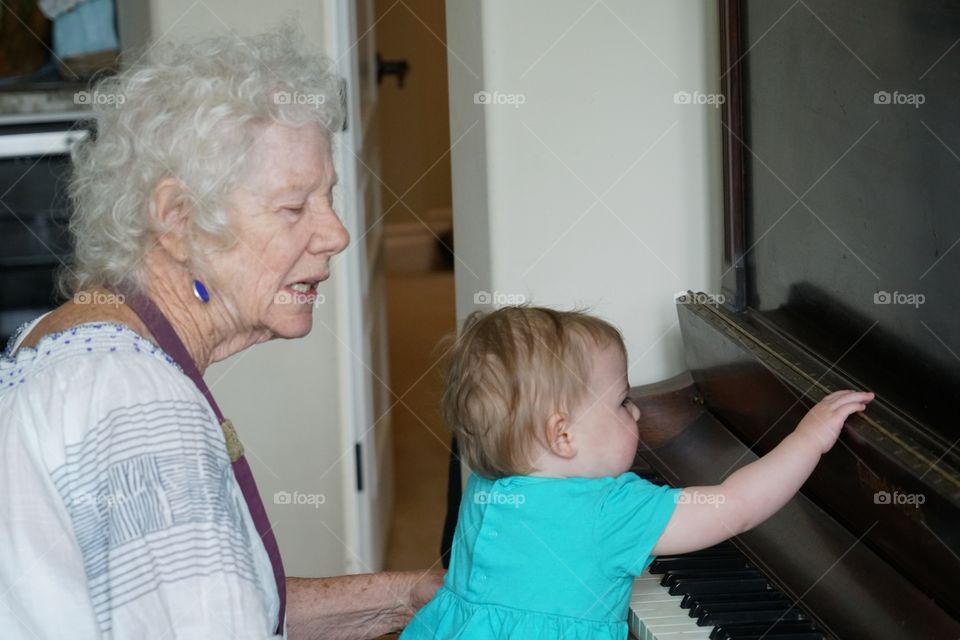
x=187, y=111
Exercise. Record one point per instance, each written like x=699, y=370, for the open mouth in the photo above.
x=300, y=293
x=303, y=292
x=304, y=287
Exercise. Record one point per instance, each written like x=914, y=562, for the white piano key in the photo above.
x=657, y=615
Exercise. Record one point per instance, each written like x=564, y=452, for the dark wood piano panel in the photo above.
x=830, y=197
x=845, y=198
x=751, y=382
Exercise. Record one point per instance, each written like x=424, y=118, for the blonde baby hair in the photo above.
x=508, y=372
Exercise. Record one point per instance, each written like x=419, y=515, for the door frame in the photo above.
x=359, y=468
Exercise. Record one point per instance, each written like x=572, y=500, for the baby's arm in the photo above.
x=707, y=515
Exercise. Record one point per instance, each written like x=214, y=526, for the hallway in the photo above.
x=421, y=308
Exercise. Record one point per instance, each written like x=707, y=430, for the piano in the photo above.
x=841, y=163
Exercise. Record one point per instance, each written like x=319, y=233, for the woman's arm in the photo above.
x=354, y=607
x=707, y=515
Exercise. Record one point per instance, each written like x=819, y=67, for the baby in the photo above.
x=553, y=528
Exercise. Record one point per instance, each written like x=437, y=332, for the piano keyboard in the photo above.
x=713, y=594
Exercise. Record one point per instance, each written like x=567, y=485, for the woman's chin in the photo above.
x=293, y=326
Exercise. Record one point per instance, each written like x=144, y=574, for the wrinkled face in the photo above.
x=604, y=426
x=286, y=231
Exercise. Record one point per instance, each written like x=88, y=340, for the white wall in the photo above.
x=598, y=120
x=184, y=18
x=284, y=397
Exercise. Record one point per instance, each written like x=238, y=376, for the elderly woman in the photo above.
x=203, y=225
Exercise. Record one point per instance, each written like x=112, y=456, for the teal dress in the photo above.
x=546, y=558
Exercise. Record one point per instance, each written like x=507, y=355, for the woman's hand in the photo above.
x=359, y=606
x=824, y=421
x=355, y=607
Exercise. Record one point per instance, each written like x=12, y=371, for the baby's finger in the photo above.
x=859, y=397
x=834, y=395
x=847, y=410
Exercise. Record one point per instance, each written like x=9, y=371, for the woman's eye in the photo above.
x=294, y=210
x=626, y=401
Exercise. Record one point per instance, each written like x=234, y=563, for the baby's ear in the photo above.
x=558, y=436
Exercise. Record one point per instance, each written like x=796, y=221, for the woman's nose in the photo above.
x=330, y=236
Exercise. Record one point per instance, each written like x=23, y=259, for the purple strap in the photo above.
x=168, y=340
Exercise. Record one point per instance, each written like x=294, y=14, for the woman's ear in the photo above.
x=168, y=205
x=558, y=436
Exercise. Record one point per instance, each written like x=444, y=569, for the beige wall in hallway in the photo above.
x=414, y=123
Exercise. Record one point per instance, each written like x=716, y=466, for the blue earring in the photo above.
x=201, y=292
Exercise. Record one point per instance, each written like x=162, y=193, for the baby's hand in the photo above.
x=824, y=422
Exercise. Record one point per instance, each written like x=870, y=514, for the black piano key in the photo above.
x=670, y=577
x=742, y=604
x=726, y=545
x=722, y=548
x=787, y=635
x=650, y=476
x=662, y=565
x=690, y=601
x=733, y=585
x=812, y=635
x=710, y=552
x=755, y=616
x=779, y=631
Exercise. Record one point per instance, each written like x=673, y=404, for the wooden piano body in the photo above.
x=835, y=200
x=862, y=565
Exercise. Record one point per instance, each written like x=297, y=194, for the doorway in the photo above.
x=416, y=191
